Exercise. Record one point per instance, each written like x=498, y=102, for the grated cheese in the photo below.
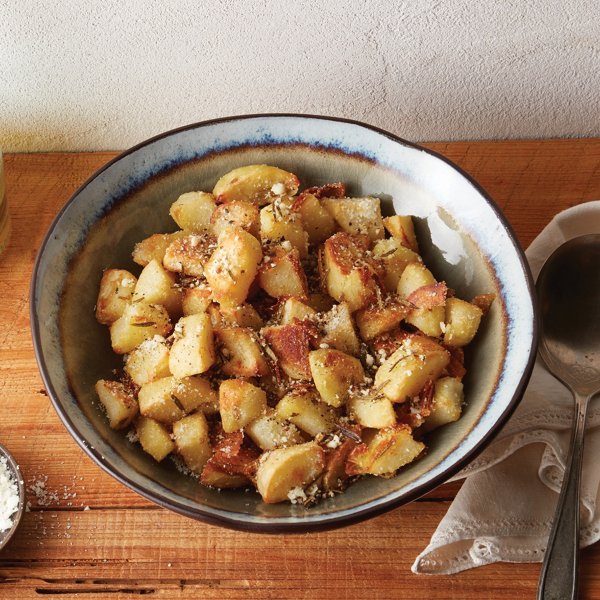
x=9, y=495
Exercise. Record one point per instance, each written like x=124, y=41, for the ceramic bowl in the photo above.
x=464, y=238
x=17, y=477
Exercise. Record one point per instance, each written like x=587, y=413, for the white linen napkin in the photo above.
x=504, y=509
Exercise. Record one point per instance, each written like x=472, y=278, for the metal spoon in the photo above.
x=568, y=290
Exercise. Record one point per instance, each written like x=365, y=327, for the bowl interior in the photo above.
x=462, y=238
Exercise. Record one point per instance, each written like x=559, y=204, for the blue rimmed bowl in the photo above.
x=464, y=239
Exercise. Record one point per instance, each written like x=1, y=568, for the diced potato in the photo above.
x=155, y=285
x=372, y=411
x=429, y=320
x=255, y=183
x=240, y=403
x=408, y=369
x=158, y=402
x=214, y=476
x=291, y=345
x=119, y=403
x=283, y=469
x=401, y=227
x=394, y=257
x=139, y=322
x=282, y=274
x=195, y=300
x=268, y=432
x=351, y=275
x=116, y=291
x=380, y=318
x=390, y=449
x=327, y=190
x=462, y=322
x=333, y=373
x=308, y=414
x=167, y=399
x=154, y=247
x=191, y=439
x=278, y=222
x=149, y=361
x=294, y=309
x=193, y=350
x=447, y=403
x=192, y=211
x=484, y=302
x=334, y=476
x=360, y=216
x=241, y=352
x=317, y=221
x=233, y=266
x=238, y=213
x=244, y=315
x=339, y=330
x=154, y=438
x=188, y=254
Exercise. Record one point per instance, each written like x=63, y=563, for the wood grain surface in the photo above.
x=89, y=536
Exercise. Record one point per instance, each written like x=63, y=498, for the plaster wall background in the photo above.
x=91, y=75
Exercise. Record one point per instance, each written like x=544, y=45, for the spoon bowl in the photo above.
x=568, y=290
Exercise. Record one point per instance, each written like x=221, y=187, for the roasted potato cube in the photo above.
x=394, y=257
x=462, y=322
x=390, y=449
x=278, y=222
x=240, y=403
x=255, y=183
x=241, y=352
x=283, y=469
x=116, y=291
x=334, y=476
x=375, y=411
x=155, y=285
x=291, y=345
x=447, y=403
x=193, y=350
x=360, y=216
x=268, y=432
x=401, y=227
x=154, y=438
x=192, y=211
x=244, y=315
x=408, y=369
x=233, y=266
x=333, y=373
x=214, y=476
x=149, y=361
x=381, y=317
x=139, y=322
x=308, y=414
x=429, y=320
x=351, y=275
x=188, y=254
x=154, y=247
x=119, y=403
x=316, y=220
x=294, y=309
x=238, y=213
x=195, y=300
x=282, y=274
x=169, y=399
x=339, y=330
x=191, y=439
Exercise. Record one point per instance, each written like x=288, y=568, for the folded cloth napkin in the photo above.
x=504, y=509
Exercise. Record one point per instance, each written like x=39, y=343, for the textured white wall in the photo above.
x=91, y=74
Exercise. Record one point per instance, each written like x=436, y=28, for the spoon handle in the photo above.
x=559, y=575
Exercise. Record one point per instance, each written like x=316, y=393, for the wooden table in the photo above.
x=88, y=534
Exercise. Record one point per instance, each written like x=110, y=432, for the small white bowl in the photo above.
x=15, y=472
